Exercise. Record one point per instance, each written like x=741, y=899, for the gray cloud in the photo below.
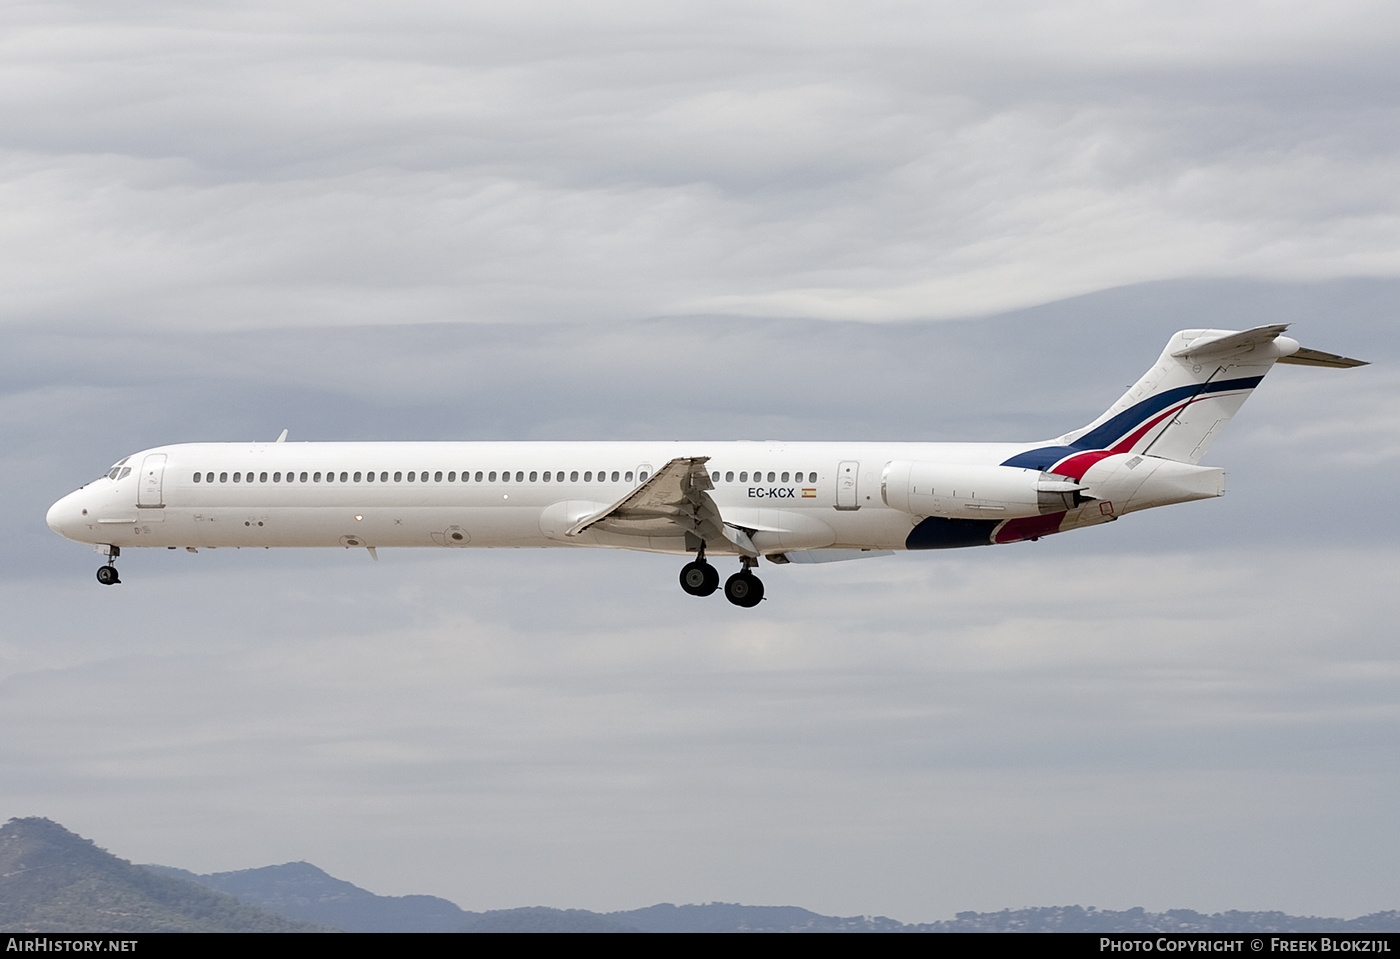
x=332, y=166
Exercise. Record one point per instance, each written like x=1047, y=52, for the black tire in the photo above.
x=744, y=589
x=107, y=575
x=699, y=579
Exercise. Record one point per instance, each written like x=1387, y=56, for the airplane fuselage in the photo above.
x=806, y=495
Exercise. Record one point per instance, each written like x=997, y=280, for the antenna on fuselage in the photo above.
x=283, y=437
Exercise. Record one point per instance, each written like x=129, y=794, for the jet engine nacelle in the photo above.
x=967, y=491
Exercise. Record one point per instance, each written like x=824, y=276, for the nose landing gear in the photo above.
x=107, y=575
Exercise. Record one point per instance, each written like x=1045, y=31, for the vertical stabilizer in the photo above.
x=1180, y=405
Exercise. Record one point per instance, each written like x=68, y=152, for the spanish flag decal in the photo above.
x=809, y=493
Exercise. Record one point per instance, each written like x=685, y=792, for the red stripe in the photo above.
x=1077, y=465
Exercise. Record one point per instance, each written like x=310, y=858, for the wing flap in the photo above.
x=676, y=498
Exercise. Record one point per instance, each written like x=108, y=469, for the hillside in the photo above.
x=52, y=880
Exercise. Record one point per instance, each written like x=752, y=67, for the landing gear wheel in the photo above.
x=744, y=589
x=107, y=575
x=699, y=578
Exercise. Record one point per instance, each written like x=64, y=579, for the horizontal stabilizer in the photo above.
x=1306, y=357
x=1222, y=342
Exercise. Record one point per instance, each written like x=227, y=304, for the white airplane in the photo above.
x=785, y=502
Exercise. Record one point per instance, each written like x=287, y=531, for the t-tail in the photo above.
x=1178, y=407
x=1144, y=450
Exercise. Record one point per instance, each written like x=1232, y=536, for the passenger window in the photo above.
x=729, y=476
x=262, y=477
x=628, y=477
x=573, y=477
x=772, y=477
x=198, y=477
x=588, y=476
x=643, y=476
x=237, y=477
x=546, y=476
x=533, y=476
x=785, y=477
x=451, y=477
x=614, y=476
x=478, y=476
x=411, y=474
x=744, y=477
x=369, y=477
x=714, y=477
x=492, y=476
x=398, y=476
x=437, y=477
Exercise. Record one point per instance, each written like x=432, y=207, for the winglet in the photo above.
x=283, y=437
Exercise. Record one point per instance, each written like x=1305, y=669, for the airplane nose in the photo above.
x=55, y=518
x=63, y=517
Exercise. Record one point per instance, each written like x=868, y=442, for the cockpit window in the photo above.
x=126, y=471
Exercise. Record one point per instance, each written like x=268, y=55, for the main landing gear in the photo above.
x=699, y=578
x=744, y=589
x=107, y=575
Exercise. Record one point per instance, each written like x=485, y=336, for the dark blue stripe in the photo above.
x=937, y=532
x=1043, y=458
x=1101, y=437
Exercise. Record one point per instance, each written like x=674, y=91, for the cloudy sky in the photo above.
x=931, y=221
